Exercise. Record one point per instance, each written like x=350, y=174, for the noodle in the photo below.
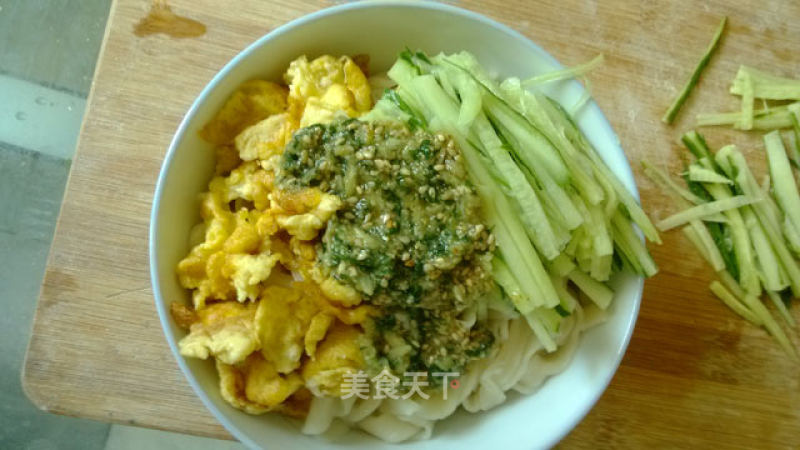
x=518, y=362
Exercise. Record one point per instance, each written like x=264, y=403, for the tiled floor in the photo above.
x=48, y=50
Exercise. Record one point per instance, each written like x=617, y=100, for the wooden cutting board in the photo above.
x=694, y=374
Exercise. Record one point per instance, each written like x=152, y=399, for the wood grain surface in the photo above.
x=694, y=375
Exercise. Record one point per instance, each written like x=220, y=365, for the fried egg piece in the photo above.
x=354, y=316
x=336, y=355
x=247, y=387
x=306, y=226
x=231, y=386
x=316, y=332
x=337, y=102
x=225, y=330
x=297, y=405
x=297, y=202
x=249, y=271
x=227, y=158
x=182, y=315
x=266, y=138
x=219, y=223
x=340, y=293
x=281, y=322
x=252, y=102
x=245, y=237
x=357, y=83
x=307, y=79
x=247, y=182
x=218, y=267
x=264, y=385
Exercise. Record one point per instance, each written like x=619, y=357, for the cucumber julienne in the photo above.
x=562, y=220
x=673, y=109
x=753, y=249
x=751, y=84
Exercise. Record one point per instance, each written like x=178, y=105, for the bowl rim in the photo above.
x=163, y=313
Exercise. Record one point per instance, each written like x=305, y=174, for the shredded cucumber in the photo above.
x=794, y=118
x=705, y=209
x=757, y=231
x=673, y=109
x=629, y=244
x=731, y=283
x=775, y=297
x=505, y=279
x=532, y=147
x=741, y=244
x=763, y=119
x=765, y=85
x=572, y=72
x=704, y=244
x=441, y=114
x=745, y=121
x=752, y=84
x=540, y=113
x=767, y=214
x=660, y=177
x=568, y=301
x=598, y=292
x=557, y=212
x=733, y=303
x=783, y=184
x=767, y=262
x=760, y=311
x=535, y=322
x=703, y=175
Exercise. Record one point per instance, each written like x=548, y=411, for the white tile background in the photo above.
x=38, y=118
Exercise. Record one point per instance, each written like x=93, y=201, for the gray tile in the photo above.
x=31, y=187
x=52, y=42
x=49, y=43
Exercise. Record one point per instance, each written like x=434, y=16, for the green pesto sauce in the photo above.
x=409, y=238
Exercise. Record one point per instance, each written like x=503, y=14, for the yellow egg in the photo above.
x=316, y=332
x=281, y=322
x=275, y=338
x=254, y=101
x=344, y=295
x=337, y=102
x=264, y=385
x=247, y=182
x=249, y=271
x=337, y=355
x=312, y=79
x=231, y=386
x=225, y=331
x=306, y=226
x=266, y=138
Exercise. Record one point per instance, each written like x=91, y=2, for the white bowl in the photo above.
x=382, y=29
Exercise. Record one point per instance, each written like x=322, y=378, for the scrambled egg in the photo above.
x=281, y=321
x=277, y=329
x=305, y=226
x=344, y=295
x=249, y=271
x=310, y=84
x=266, y=138
x=224, y=330
x=254, y=101
x=336, y=356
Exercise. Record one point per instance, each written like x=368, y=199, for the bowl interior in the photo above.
x=382, y=30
